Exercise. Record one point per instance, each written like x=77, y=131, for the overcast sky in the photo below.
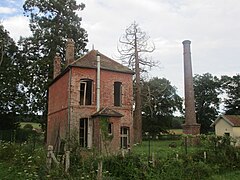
x=212, y=26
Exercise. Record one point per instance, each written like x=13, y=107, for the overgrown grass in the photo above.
x=234, y=175
x=21, y=161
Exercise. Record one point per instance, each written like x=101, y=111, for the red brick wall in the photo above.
x=106, y=100
x=57, y=109
x=58, y=104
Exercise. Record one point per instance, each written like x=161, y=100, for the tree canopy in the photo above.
x=51, y=23
x=207, y=100
x=12, y=96
x=160, y=102
x=231, y=89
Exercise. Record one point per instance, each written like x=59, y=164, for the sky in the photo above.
x=212, y=26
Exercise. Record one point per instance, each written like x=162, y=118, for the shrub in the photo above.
x=28, y=126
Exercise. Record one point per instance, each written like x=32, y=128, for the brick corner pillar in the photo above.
x=191, y=126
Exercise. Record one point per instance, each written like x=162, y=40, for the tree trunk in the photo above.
x=137, y=121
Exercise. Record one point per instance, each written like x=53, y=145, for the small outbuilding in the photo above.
x=228, y=125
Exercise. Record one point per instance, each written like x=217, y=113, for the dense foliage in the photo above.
x=160, y=102
x=207, y=91
x=12, y=96
x=231, y=88
x=51, y=23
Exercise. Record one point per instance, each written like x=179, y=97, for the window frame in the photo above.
x=124, y=137
x=85, y=86
x=83, y=140
x=117, y=93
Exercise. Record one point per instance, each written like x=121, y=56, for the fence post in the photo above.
x=186, y=144
x=205, y=155
x=49, y=156
x=153, y=160
x=67, y=161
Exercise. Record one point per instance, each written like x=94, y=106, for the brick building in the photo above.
x=90, y=90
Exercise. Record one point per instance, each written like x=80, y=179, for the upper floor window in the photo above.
x=86, y=92
x=117, y=93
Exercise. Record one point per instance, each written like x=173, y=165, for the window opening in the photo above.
x=110, y=128
x=83, y=132
x=85, y=92
x=117, y=93
x=125, y=140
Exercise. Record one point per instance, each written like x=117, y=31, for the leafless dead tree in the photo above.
x=133, y=44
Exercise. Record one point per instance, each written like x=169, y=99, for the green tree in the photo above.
x=160, y=102
x=51, y=23
x=231, y=88
x=12, y=96
x=207, y=91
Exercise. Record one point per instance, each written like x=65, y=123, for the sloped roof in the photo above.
x=233, y=120
x=90, y=61
x=108, y=113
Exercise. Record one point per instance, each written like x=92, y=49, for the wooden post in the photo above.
x=205, y=155
x=100, y=164
x=153, y=160
x=49, y=156
x=67, y=161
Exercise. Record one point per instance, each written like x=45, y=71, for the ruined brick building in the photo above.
x=88, y=89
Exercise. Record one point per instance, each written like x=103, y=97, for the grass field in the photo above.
x=176, y=131
x=35, y=125
x=159, y=148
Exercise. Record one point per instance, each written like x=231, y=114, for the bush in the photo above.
x=28, y=126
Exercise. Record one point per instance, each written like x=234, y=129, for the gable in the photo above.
x=232, y=120
x=223, y=124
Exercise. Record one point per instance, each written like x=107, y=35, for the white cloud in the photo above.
x=211, y=25
x=7, y=10
x=17, y=26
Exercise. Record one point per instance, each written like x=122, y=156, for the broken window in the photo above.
x=124, y=140
x=117, y=93
x=86, y=92
x=83, y=132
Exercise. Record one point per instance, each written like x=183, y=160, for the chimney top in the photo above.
x=186, y=42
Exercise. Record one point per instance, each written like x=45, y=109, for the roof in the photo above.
x=107, y=112
x=233, y=120
x=90, y=61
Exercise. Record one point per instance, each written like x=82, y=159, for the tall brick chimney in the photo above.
x=190, y=126
x=56, y=65
x=70, y=51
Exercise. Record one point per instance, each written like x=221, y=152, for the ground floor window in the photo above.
x=124, y=140
x=110, y=128
x=83, y=132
